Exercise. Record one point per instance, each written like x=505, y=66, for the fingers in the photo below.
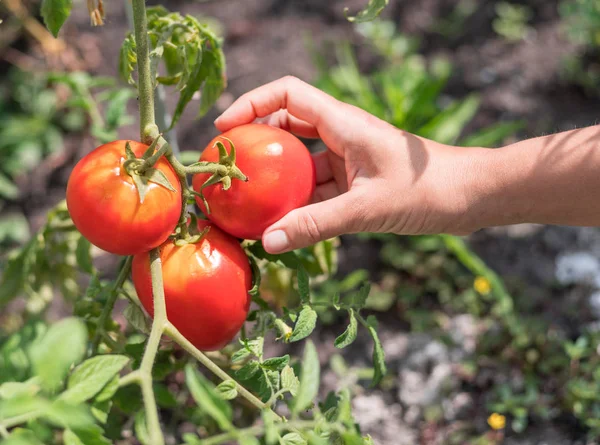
x=329, y=117
x=323, y=169
x=316, y=222
x=282, y=119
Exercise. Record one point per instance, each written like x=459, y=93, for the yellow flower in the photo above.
x=482, y=285
x=497, y=421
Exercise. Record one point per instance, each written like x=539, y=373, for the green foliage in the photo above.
x=55, y=13
x=511, y=20
x=191, y=56
x=404, y=90
x=582, y=21
x=371, y=11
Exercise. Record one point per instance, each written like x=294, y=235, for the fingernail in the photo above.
x=217, y=120
x=276, y=241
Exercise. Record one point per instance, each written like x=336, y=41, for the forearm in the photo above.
x=549, y=180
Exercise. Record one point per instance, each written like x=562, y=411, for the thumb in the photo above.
x=316, y=222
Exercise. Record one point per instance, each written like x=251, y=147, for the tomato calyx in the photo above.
x=142, y=169
x=224, y=175
x=190, y=233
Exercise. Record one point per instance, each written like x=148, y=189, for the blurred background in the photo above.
x=496, y=340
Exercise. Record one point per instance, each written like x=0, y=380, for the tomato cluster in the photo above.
x=206, y=280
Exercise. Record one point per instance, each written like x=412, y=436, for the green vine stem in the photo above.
x=110, y=304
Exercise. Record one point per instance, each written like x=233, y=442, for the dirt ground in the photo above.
x=264, y=40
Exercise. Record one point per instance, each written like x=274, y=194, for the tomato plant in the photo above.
x=206, y=286
x=281, y=178
x=105, y=206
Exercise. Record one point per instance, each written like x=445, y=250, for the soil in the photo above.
x=265, y=40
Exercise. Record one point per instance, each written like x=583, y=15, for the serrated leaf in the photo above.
x=360, y=298
x=349, y=335
x=309, y=379
x=55, y=13
x=208, y=399
x=61, y=347
x=305, y=324
x=141, y=428
x=248, y=370
x=83, y=255
x=158, y=177
x=240, y=355
x=378, y=353
x=276, y=363
x=371, y=12
x=293, y=439
x=227, y=390
x=70, y=416
x=136, y=318
x=109, y=390
x=289, y=381
x=127, y=59
x=20, y=436
x=70, y=438
x=303, y=285
x=89, y=378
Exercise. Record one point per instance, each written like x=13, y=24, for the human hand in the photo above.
x=372, y=178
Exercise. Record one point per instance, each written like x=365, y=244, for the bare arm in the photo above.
x=376, y=178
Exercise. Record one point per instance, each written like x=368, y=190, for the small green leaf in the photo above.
x=65, y=415
x=360, y=298
x=305, y=324
x=158, y=177
x=136, y=318
x=20, y=436
x=10, y=390
x=240, y=355
x=227, y=390
x=349, y=335
x=378, y=353
x=55, y=13
x=248, y=370
x=372, y=10
x=303, y=285
x=70, y=438
x=141, y=428
x=288, y=259
x=92, y=376
x=309, y=379
x=208, y=398
x=289, y=380
x=276, y=363
x=83, y=255
x=248, y=440
x=293, y=439
x=109, y=390
x=62, y=346
x=100, y=410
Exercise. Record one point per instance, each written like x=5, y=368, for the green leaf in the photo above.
x=288, y=259
x=371, y=12
x=91, y=376
x=164, y=397
x=136, y=318
x=128, y=59
x=309, y=379
x=293, y=439
x=215, y=81
x=349, y=335
x=240, y=355
x=91, y=435
x=10, y=390
x=62, y=346
x=20, y=436
x=208, y=399
x=109, y=390
x=303, y=285
x=227, y=390
x=21, y=405
x=305, y=324
x=70, y=438
x=269, y=419
x=360, y=298
x=100, y=410
x=276, y=363
x=55, y=13
x=141, y=428
x=256, y=277
x=83, y=255
x=447, y=126
x=289, y=381
x=8, y=189
x=248, y=370
x=248, y=440
x=158, y=177
x=70, y=416
x=378, y=354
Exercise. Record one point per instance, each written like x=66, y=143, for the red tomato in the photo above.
x=206, y=287
x=281, y=175
x=105, y=206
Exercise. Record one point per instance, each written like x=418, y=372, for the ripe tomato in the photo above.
x=281, y=175
x=206, y=287
x=105, y=206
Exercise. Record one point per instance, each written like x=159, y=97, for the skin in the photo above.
x=206, y=287
x=377, y=178
x=105, y=205
x=281, y=177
